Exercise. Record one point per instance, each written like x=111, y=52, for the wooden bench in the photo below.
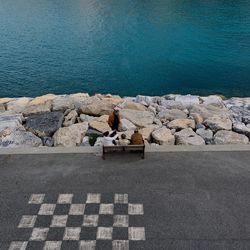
x=129, y=148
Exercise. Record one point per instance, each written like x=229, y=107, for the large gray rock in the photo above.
x=78, y=99
x=229, y=137
x=132, y=105
x=10, y=117
x=70, y=136
x=35, y=109
x=146, y=99
x=70, y=118
x=39, y=104
x=126, y=125
x=181, y=124
x=96, y=106
x=207, y=111
x=187, y=100
x=45, y=124
x=11, y=121
x=19, y=138
x=171, y=104
x=206, y=134
x=147, y=132
x=18, y=105
x=171, y=114
x=216, y=123
x=86, y=118
x=241, y=128
x=212, y=100
x=163, y=136
x=239, y=114
x=238, y=102
x=139, y=118
x=62, y=103
x=188, y=137
x=100, y=124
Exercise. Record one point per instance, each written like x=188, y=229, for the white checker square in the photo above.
x=104, y=233
x=106, y=209
x=77, y=209
x=27, y=221
x=136, y=233
x=121, y=198
x=47, y=209
x=93, y=198
x=39, y=234
x=18, y=245
x=90, y=220
x=52, y=245
x=72, y=233
x=120, y=245
x=120, y=221
x=135, y=209
x=65, y=198
x=87, y=245
x=59, y=221
x=36, y=198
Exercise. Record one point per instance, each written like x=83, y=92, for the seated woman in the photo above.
x=136, y=138
x=109, y=138
x=123, y=141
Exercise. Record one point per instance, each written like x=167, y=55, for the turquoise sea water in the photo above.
x=124, y=47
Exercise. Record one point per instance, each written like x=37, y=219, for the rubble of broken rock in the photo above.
x=80, y=119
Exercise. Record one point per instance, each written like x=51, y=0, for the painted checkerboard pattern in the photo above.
x=82, y=223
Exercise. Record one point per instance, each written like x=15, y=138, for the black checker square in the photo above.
x=121, y=209
x=75, y=221
x=136, y=221
x=88, y=233
x=70, y=245
x=105, y=220
x=32, y=245
x=33, y=209
x=140, y=245
x=107, y=198
x=103, y=244
x=120, y=233
x=62, y=209
x=50, y=198
x=43, y=220
x=55, y=234
x=22, y=234
x=79, y=199
x=92, y=208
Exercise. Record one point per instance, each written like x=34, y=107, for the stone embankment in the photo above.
x=80, y=119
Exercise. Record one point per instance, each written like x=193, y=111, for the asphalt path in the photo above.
x=191, y=200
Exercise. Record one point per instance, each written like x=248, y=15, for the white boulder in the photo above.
x=188, y=137
x=70, y=136
x=229, y=137
x=163, y=136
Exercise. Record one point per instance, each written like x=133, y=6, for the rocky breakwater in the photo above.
x=80, y=119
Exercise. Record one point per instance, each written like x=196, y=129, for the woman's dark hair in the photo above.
x=106, y=133
x=113, y=134
x=123, y=136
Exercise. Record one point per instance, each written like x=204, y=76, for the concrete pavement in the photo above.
x=190, y=200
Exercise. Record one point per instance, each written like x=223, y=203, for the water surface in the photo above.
x=125, y=47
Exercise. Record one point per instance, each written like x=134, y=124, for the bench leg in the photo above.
x=143, y=155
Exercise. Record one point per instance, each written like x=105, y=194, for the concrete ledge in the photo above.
x=98, y=150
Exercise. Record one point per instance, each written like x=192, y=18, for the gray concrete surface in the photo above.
x=191, y=200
